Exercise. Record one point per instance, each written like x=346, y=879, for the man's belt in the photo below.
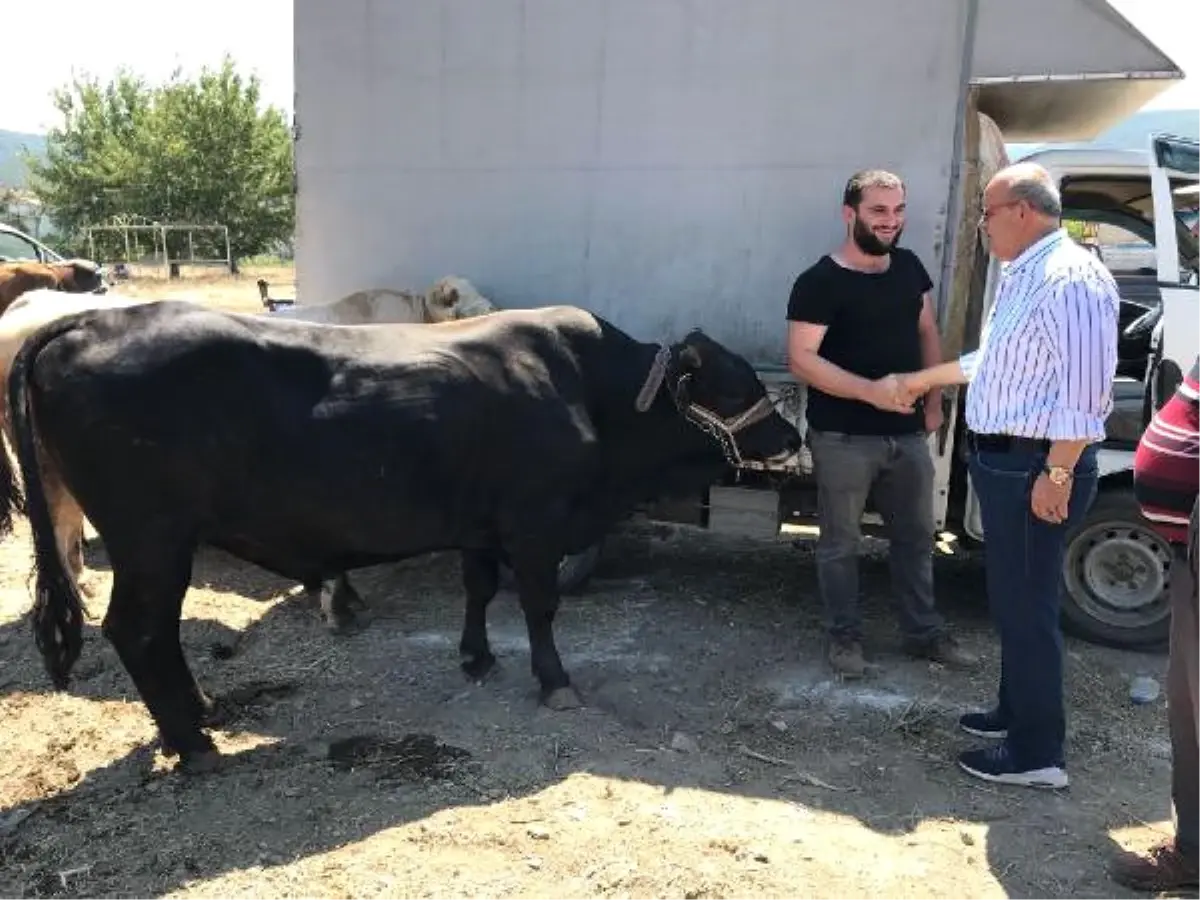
x=1004, y=443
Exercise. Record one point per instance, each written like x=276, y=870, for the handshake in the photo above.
x=897, y=393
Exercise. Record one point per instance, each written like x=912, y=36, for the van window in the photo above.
x=1110, y=235
x=1123, y=252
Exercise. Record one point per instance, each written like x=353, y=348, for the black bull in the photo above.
x=313, y=450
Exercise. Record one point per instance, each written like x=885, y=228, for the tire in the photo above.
x=1116, y=573
x=574, y=570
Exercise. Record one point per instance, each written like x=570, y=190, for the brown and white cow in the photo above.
x=73, y=276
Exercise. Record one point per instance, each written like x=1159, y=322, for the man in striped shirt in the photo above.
x=1040, y=390
x=1166, y=481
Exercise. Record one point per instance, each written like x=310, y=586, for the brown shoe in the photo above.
x=1163, y=868
x=846, y=657
x=942, y=649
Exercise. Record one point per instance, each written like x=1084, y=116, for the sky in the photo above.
x=97, y=36
x=1174, y=27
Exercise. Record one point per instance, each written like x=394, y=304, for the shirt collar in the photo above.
x=1035, y=249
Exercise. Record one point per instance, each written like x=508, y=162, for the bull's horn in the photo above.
x=654, y=379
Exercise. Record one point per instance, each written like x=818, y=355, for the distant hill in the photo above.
x=1132, y=133
x=12, y=170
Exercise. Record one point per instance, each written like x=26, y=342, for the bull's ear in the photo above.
x=689, y=358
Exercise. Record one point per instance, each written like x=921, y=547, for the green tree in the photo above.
x=197, y=151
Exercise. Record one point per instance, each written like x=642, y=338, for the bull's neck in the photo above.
x=660, y=436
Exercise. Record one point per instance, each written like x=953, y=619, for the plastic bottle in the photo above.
x=1143, y=689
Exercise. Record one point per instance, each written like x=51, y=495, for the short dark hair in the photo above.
x=868, y=178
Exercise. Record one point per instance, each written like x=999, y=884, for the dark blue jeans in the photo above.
x=1024, y=583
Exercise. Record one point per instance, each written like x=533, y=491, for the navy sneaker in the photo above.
x=995, y=764
x=984, y=724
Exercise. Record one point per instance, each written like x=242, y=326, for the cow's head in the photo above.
x=78, y=276
x=72, y=276
x=719, y=392
x=455, y=298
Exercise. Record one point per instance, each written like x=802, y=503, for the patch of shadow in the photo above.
x=13, y=851
x=257, y=693
x=414, y=757
x=247, y=701
x=47, y=884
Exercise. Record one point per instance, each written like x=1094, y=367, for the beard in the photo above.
x=868, y=243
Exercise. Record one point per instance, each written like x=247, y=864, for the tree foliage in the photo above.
x=197, y=151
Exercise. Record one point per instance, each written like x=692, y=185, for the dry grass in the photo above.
x=215, y=287
x=714, y=758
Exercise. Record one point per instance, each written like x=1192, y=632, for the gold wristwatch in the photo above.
x=1059, y=475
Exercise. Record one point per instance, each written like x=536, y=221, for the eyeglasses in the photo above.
x=988, y=213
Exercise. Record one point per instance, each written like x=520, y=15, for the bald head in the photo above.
x=1031, y=183
x=1021, y=205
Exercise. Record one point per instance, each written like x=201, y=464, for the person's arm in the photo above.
x=1080, y=317
x=931, y=355
x=957, y=371
x=804, y=362
x=811, y=310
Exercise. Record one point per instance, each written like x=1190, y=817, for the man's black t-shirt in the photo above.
x=871, y=321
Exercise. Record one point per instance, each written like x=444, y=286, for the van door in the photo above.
x=1175, y=181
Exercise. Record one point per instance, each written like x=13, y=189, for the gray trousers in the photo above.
x=897, y=472
x=1183, y=708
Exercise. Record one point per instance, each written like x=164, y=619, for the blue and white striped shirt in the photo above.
x=1048, y=352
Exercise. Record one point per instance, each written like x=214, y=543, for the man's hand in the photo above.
x=911, y=386
x=1049, y=500
x=888, y=394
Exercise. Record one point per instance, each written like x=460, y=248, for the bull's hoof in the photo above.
x=562, y=699
x=478, y=666
x=200, y=762
x=344, y=610
x=196, y=746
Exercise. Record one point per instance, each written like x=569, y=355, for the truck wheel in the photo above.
x=574, y=570
x=1116, y=570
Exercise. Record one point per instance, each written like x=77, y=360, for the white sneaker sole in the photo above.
x=1050, y=778
x=989, y=735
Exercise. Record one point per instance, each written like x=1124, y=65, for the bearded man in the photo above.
x=855, y=316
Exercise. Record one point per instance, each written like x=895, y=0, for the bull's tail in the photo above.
x=11, y=500
x=58, y=606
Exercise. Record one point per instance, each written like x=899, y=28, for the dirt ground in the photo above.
x=715, y=757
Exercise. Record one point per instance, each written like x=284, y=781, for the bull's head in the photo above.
x=719, y=391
